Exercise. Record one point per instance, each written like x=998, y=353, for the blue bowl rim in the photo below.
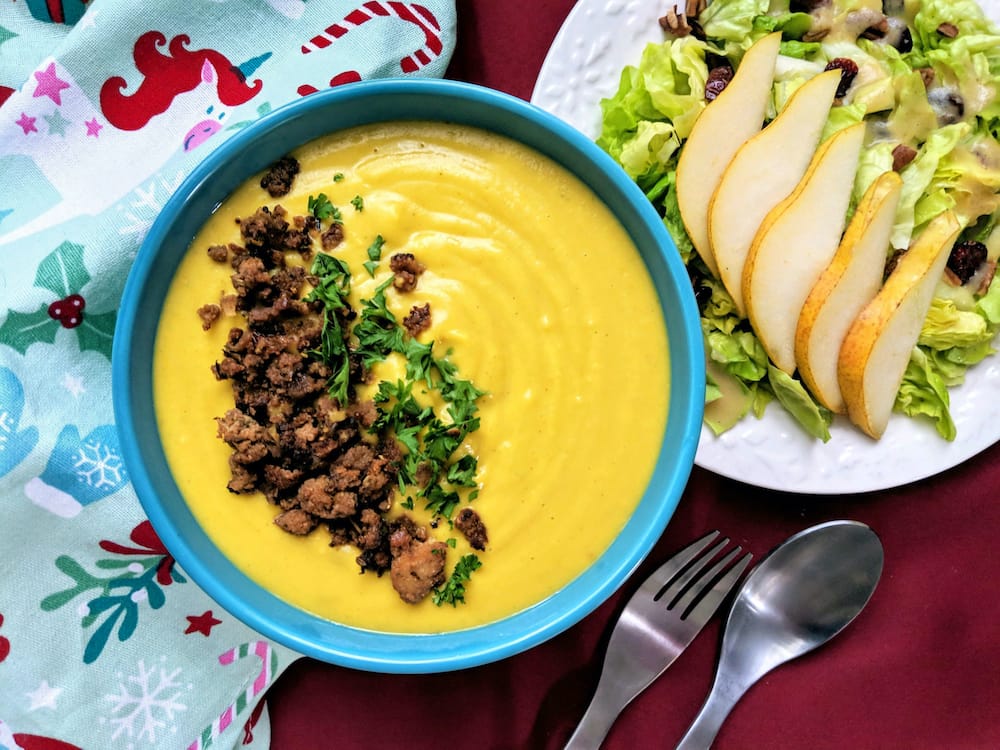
x=349, y=646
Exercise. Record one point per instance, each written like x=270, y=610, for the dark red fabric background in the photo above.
x=919, y=668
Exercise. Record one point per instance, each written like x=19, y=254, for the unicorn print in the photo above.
x=410, y=13
x=117, y=141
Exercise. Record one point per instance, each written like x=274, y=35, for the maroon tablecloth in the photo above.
x=919, y=668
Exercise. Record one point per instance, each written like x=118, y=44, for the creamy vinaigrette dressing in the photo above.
x=546, y=305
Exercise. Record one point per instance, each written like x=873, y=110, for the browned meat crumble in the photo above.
x=312, y=457
x=418, y=319
x=278, y=179
x=209, y=314
x=471, y=525
x=407, y=269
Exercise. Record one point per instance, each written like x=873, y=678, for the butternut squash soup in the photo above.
x=528, y=294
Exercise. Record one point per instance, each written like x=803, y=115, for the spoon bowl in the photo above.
x=800, y=596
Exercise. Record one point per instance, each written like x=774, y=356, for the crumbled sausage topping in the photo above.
x=407, y=269
x=471, y=525
x=313, y=457
x=418, y=319
x=277, y=181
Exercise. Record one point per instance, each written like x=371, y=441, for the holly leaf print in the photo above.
x=6, y=35
x=96, y=332
x=21, y=330
x=62, y=271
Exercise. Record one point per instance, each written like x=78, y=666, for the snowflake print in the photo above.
x=98, y=465
x=143, y=205
x=146, y=702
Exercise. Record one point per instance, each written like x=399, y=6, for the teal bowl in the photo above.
x=251, y=151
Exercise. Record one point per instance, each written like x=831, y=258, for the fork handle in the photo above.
x=608, y=701
x=720, y=701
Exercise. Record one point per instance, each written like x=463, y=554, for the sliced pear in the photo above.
x=849, y=283
x=724, y=125
x=764, y=171
x=796, y=241
x=877, y=347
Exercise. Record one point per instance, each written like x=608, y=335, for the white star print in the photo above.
x=44, y=696
x=87, y=19
x=73, y=384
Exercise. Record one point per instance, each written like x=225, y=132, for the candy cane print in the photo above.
x=269, y=665
x=409, y=12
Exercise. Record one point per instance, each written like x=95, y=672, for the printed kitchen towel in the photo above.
x=105, y=106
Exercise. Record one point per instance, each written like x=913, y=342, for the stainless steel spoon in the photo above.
x=802, y=594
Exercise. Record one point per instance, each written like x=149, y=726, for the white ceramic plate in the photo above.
x=597, y=40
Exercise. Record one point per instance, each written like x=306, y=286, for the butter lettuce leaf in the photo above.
x=791, y=394
x=924, y=393
x=672, y=219
x=733, y=21
x=644, y=155
x=947, y=326
x=966, y=15
x=919, y=174
x=989, y=304
x=667, y=86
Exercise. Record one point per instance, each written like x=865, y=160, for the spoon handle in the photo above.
x=720, y=701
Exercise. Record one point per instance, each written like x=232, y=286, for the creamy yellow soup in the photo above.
x=545, y=304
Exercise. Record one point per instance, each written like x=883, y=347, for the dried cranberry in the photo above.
x=905, y=43
x=702, y=296
x=965, y=259
x=848, y=70
x=69, y=311
x=718, y=79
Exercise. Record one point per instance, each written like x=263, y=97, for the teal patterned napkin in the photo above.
x=105, y=106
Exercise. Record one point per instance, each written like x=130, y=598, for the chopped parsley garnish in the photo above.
x=339, y=177
x=321, y=207
x=374, y=254
x=378, y=333
x=358, y=202
x=333, y=285
x=428, y=469
x=430, y=442
x=453, y=590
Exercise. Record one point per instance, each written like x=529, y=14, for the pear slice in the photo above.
x=796, y=241
x=849, y=283
x=877, y=347
x=764, y=171
x=723, y=126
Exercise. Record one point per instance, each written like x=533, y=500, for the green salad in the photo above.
x=927, y=84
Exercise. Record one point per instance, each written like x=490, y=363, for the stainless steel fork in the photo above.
x=659, y=621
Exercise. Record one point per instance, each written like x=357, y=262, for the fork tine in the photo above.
x=704, y=608
x=672, y=589
x=689, y=596
x=674, y=565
